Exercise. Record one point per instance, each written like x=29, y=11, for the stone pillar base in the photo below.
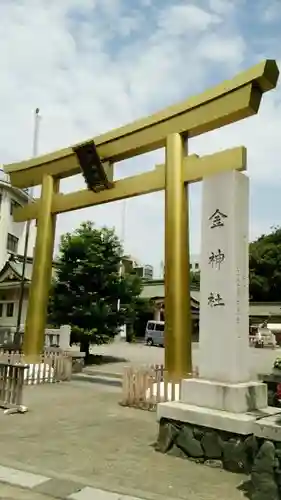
x=234, y=398
x=237, y=423
x=227, y=407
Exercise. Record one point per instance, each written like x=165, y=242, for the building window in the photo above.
x=12, y=243
x=14, y=204
x=1, y=309
x=10, y=309
x=196, y=265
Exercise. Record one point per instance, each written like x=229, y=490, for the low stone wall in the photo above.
x=241, y=454
x=78, y=362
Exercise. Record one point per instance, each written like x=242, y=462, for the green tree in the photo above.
x=265, y=267
x=87, y=287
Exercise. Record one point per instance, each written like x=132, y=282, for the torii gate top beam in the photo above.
x=195, y=168
x=228, y=102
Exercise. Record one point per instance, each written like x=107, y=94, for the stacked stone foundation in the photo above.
x=246, y=454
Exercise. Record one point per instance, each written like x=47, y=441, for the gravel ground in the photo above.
x=260, y=360
x=78, y=431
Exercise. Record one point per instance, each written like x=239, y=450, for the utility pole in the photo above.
x=28, y=225
x=123, y=230
x=123, y=222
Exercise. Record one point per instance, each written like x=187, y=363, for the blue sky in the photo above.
x=92, y=65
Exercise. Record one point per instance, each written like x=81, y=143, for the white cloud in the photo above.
x=222, y=6
x=271, y=13
x=92, y=65
x=217, y=49
x=178, y=19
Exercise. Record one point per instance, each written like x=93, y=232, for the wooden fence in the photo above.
x=145, y=387
x=11, y=387
x=51, y=367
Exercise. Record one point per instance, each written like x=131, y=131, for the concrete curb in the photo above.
x=56, y=488
x=63, y=488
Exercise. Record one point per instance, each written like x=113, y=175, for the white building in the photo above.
x=13, y=233
x=194, y=265
x=12, y=242
x=130, y=264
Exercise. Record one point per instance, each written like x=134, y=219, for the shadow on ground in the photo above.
x=100, y=359
x=247, y=489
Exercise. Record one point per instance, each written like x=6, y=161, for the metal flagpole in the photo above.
x=28, y=225
x=123, y=228
x=123, y=232
x=123, y=222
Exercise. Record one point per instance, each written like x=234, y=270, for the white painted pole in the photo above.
x=123, y=234
x=28, y=224
x=123, y=222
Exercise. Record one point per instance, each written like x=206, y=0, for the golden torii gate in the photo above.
x=231, y=101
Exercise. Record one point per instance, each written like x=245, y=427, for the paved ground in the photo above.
x=9, y=492
x=76, y=435
x=261, y=360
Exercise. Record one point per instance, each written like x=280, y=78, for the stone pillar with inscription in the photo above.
x=224, y=292
x=223, y=396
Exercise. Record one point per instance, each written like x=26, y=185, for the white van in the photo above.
x=154, y=333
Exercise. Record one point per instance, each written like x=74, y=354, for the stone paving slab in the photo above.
x=77, y=432
x=8, y=492
x=92, y=493
x=55, y=488
x=21, y=478
x=60, y=488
